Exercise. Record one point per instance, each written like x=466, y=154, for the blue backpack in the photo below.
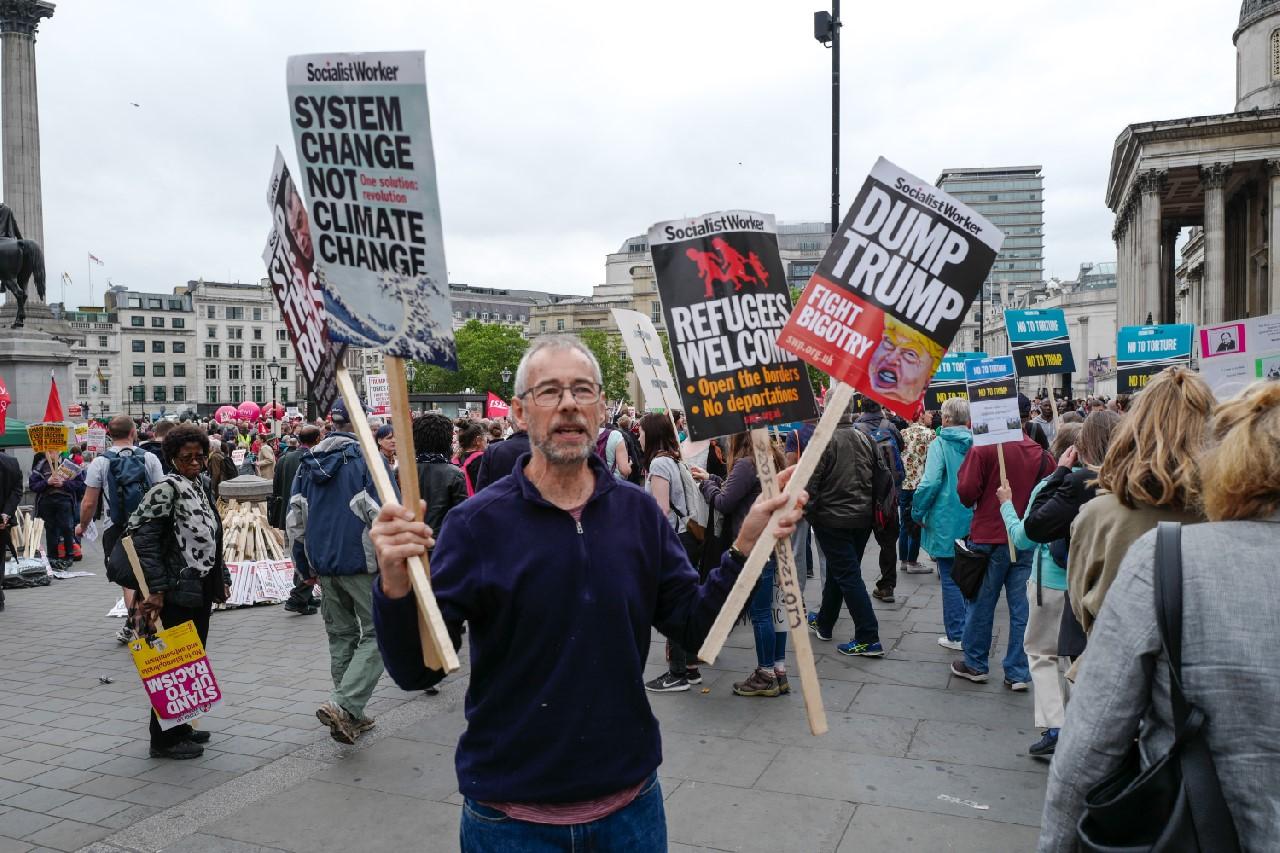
x=887, y=445
x=126, y=482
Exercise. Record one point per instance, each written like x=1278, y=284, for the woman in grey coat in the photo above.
x=1231, y=607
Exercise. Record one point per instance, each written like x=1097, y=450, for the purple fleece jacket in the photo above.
x=560, y=616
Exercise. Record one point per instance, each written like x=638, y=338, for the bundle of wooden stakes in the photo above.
x=247, y=536
x=27, y=533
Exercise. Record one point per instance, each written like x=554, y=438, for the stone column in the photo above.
x=19, y=113
x=1214, y=179
x=1124, y=284
x=1151, y=185
x=1168, y=275
x=1273, y=240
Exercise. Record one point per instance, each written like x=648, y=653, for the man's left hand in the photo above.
x=762, y=510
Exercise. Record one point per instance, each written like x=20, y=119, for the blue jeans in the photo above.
x=1012, y=578
x=771, y=645
x=640, y=827
x=908, y=530
x=953, y=603
x=844, y=547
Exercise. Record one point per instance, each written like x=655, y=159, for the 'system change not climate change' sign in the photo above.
x=725, y=298
x=1144, y=351
x=1039, y=341
x=892, y=291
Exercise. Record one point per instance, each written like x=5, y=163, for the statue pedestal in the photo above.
x=27, y=357
x=39, y=318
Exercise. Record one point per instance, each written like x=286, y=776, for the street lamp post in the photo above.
x=826, y=29
x=506, y=377
x=103, y=406
x=273, y=370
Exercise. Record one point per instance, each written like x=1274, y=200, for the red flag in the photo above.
x=495, y=407
x=53, y=409
x=4, y=404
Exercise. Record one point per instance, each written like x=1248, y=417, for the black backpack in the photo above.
x=126, y=482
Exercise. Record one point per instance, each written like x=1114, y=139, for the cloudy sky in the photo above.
x=563, y=127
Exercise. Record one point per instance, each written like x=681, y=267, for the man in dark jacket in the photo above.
x=1025, y=463
x=10, y=494
x=301, y=600
x=842, y=512
x=520, y=563
x=500, y=458
x=331, y=486
x=875, y=426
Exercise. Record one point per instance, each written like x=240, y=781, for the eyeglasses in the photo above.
x=189, y=458
x=583, y=393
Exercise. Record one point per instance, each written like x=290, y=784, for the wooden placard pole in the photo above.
x=837, y=402
x=437, y=648
x=790, y=584
x=136, y=564
x=1004, y=481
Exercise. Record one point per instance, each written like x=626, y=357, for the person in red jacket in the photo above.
x=1026, y=463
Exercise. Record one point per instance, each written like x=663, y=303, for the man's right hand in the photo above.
x=396, y=537
x=79, y=530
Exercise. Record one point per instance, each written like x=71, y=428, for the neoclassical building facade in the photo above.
x=1219, y=173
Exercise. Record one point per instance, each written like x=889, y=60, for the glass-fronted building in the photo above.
x=1012, y=198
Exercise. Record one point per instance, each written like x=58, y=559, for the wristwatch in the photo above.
x=738, y=557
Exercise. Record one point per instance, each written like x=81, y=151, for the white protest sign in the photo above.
x=993, y=400
x=378, y=392
x=648, y=360
x=1236, y=354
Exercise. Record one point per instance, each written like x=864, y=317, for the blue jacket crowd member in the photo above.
x=331, y=495
x=550, y=759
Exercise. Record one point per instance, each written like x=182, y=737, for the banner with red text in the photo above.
x=891, y=292
x=724, y=296
x=496, y=407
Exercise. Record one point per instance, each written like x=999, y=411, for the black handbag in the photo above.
x=1176, y=804
x=968, y=569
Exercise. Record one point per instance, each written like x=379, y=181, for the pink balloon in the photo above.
x=249, y=411
x=224, y=414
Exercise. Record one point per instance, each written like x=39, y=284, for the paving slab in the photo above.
x=880, y=828
x=731, y=818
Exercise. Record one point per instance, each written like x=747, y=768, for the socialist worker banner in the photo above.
x=892, y=291
x=724, y=295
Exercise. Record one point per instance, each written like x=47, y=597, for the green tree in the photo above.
x=612, y=355
x=484, y=351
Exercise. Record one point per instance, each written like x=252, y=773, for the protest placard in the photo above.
x=96, y=439
x=367, y=169
x=724, y=297
x=375, y=386
x=1039, y=341
x=948, y=380
x=290, y=259
x=1144, y=351
x=1236, y=354
x=644, y=348
x=363, y=136
x=992, y=385
x=48, y=436
x=893, y=288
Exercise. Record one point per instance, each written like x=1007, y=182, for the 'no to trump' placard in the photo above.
x=725, y=298
x=892, y=290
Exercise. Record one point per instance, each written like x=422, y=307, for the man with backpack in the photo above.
x=888, y=442
x=120, y=476
x=613, y=447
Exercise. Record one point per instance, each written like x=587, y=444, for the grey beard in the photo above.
x=559, y=456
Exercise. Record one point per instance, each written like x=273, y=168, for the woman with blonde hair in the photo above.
x=1228, y=669
x=1149, y=475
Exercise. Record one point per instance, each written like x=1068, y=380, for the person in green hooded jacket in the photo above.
x=942, y=518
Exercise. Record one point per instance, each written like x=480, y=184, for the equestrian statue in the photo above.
x=19, y=260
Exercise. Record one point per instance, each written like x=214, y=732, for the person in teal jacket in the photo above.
x=937, y=509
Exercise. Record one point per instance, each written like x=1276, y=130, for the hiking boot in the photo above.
x=302, y=608
x=861, y=650
x=668, y=682
x=199, y=736
x=817, y=632
x=914, y=568
x=341, y=726
x=960, y=669
x=758, y=683
x=784, y=686
x=954, y=645
x=179, y=751
x=363, y=724
x=693, y=675
x=885, y=595
x=1046, y=745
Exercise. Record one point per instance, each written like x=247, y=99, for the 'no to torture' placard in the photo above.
x=725, y=298
x=891, y=292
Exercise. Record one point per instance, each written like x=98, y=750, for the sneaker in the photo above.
x=914, y=568
x=1016, y=686
x=784, y=686
x=885, y=595
x=76, y=554
x=668, y=682
x=341, y=726
x=954, y=645
x=960, y=669
x=693, y=675
x=861, y=650
x=302, y=608
x=179, y=751
x=1046, y=745
x=126, y=635
x=758, y=683
x=817, y=632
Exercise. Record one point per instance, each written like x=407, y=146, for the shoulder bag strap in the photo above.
x=1167, y=580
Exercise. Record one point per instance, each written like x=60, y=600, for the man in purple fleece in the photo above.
x=560, y=571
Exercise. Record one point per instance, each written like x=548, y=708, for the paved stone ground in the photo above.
x=739, y=774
